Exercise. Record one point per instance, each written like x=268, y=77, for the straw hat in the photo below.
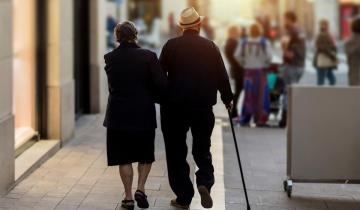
x=189, y=18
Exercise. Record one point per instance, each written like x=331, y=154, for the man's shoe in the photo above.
x=175, y=204
x=206, y=200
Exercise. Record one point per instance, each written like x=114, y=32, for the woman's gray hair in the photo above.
x=126, y=31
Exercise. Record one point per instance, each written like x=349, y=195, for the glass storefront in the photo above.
x=24, y=70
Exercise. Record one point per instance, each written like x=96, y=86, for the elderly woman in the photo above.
x=352, y=48
x=254, y=54
x=136, y=82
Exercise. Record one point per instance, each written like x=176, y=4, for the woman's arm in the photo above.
x=158, y=78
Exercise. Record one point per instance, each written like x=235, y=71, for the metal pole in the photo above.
x=239, y=161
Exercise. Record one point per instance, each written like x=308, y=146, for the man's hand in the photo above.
x=229, y=106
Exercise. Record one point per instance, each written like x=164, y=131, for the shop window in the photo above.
x=24, y=70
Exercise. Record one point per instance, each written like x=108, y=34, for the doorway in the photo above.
x=81, y=57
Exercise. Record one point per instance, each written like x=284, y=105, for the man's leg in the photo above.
x=201, y=128
x=202, y=124
x=174, y=128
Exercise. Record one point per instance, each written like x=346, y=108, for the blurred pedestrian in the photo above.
x=209, y=31
x=352, y=48
x=236, y=70
x=135, y=81
x=325, y=59
x=174, y=29
x=254, y=54
x=110, y=39
x=294, y=50
x=195, y=72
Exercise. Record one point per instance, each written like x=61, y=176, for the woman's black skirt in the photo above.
x=126, y=147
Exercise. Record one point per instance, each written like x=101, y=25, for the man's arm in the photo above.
x=164, y=59
x=223, y=79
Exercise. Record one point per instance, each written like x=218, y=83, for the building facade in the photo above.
x=51, y=73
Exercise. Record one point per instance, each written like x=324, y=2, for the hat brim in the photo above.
x=190, y=25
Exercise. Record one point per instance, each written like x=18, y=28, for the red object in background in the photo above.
x=347, y=12
x=345, y=20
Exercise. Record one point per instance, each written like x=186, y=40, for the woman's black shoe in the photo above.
x=141, y=199
x=128, y=204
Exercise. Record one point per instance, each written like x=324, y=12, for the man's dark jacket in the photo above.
x=196, y=72
x=136, y=82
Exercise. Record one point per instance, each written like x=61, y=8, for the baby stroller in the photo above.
x=276, y=89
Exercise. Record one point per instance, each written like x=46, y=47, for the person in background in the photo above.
x=325, y=59
x=110, y=39
x=254, y=54
x=174, y=29
x=196, y=72
x=352, y=49
x=294, y=50
x=236, y=70
x=136, y=81
x=209, y=32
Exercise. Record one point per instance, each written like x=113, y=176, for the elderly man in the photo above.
x=196, y=72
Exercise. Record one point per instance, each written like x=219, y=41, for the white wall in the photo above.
x=98, y=83
x=7, y=162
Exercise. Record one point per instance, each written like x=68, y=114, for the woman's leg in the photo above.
x=262, y=99
x=331, y=77
x=321, y=76
x=126, y=174
x=144, y=170
x=248, y=103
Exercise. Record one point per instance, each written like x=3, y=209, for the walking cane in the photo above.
x=238, y=158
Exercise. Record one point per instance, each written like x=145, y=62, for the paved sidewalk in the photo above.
x=77, y=177
x=263, y=153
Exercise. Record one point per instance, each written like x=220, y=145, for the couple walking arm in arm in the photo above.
x=185, y=82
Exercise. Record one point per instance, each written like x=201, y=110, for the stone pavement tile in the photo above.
x=7, y=202
x=47, y=203
x=93, y=198
x=31, y=197
x=98, y=206
x=340, y=205
x=271, y=198
x=75, y=196
x=13, y=195
x=255, y=207
x=66, y=207
x=236, y=196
